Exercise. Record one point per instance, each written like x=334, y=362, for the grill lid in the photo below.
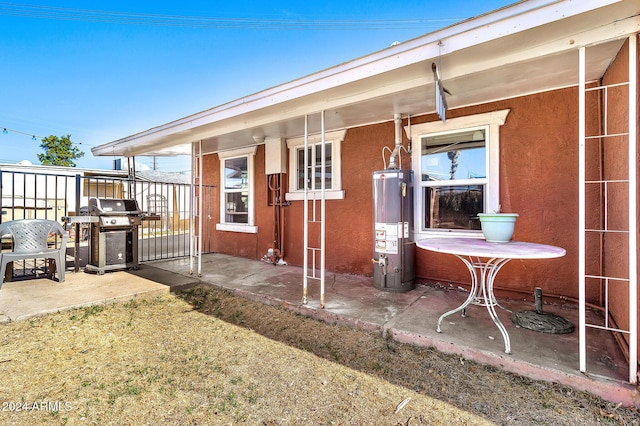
x=111, y=206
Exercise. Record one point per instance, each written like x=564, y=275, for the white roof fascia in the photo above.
x=603, y=34
x=500, y=23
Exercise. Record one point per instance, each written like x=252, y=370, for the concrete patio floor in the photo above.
x=350, y=300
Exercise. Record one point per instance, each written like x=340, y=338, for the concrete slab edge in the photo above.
x=309, y=311
x=618, y=393
x=121, y=298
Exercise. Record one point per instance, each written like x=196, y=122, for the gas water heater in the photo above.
x=393, y=251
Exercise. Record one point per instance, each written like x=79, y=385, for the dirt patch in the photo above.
x=208, y=357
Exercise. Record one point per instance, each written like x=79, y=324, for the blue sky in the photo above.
x=97, y=78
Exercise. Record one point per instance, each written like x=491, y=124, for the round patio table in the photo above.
x=484, y=260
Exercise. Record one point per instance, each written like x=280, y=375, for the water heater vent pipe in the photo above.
x=395, y=154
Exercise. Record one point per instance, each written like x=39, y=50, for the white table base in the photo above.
x=483, y=274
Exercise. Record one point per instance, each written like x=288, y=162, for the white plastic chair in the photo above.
x=30, y=241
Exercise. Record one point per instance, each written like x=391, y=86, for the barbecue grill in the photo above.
x=114, y=236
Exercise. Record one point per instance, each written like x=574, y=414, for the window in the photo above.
x=332, y=172
x=456, y=163
x=453, y=179
x=236, y=190
x=314, y=168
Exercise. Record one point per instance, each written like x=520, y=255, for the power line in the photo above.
x=131, y=18
x=6, y=130
x=31, y=122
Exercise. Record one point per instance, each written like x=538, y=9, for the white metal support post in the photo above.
x=317, y=219
x=305, y=262
x=200, y=208
x=633, y=211
x=323, y=210
x=582, y=329
x=605, y=186
x=195, y=242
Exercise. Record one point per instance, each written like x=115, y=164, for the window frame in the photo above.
x=491, y=123
x=335, y=138
x=249, y=227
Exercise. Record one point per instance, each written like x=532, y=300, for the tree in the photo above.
x=59, y=151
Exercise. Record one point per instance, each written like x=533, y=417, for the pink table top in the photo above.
x=478, y=247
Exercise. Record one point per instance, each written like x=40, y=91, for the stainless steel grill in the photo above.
x=114, y=236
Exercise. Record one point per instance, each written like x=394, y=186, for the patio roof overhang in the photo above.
x=528, y=47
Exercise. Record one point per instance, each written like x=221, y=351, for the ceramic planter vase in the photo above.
x=497, y=227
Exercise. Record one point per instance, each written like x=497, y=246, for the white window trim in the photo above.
x=491, y=120
x=250, y=227
x=336, y=193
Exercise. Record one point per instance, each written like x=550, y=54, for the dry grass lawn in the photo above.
x=206, y=357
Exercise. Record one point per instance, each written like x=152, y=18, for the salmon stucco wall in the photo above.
x=614, y=162
x=349, y=222
x=349, y=239
x=539, y=181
